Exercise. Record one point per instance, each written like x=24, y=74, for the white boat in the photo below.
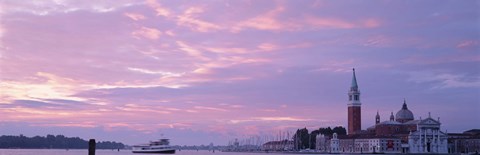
x=160, y=146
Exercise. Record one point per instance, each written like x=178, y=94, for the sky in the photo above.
x=210, y=71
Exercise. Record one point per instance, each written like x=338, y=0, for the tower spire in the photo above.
x=354, y=80
x=377, y=118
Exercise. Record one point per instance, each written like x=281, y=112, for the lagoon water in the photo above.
x=97, y=152
x=110, y=152
x=106, y=152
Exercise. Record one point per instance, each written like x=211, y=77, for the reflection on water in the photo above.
x=113, y=152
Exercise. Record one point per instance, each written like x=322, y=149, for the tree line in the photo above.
x=53, y=142
x=304, y=140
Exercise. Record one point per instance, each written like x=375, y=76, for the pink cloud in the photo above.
x=322, y=23
x=240, y=60
x=225, y=50
x=469, y=44
x=190, y=19
x=268, y=47
x=170, y=33
x=82, y=125
x=266, y=21
x=210, y=108
x=190, y=50
x=281, y=119
x=203, y=71
x=271, y=21
x=149, y=33
x=135, y=16
x=337, y=23
x=371, y=23
x=159, y=9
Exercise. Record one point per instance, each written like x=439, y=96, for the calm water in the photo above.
x=85, y=152
x=106, y=152
x=110, y=152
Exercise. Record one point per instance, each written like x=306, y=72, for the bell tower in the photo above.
x=377, y=118
x=354, y=107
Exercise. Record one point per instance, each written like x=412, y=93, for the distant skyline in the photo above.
x=211, y=71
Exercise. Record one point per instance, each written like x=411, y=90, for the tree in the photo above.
x=51, y=141
x=301, y=138
x=339, y=130
x=304, y=143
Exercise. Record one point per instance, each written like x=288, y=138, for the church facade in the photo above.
x=428, y=138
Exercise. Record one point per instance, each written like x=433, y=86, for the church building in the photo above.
x=401, y=133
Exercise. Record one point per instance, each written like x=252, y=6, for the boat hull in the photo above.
x=155, y=151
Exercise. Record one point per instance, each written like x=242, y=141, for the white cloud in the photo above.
x=163, y=73
x=46, y=7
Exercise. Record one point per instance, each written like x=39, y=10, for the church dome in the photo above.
x=404, y=115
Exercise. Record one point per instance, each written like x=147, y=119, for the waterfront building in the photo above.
x=377, y=144
x=466, y=142
x=334, y=144
x=359, y=143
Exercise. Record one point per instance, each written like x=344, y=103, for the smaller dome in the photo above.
x=404, y=115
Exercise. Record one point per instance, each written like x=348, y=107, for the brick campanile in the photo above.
x=354, y=107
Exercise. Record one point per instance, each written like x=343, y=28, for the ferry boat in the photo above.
x=160, y=146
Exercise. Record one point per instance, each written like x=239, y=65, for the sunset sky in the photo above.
x=211, y=71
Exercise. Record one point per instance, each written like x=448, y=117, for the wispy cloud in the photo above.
x=266, y=21
x=270, y=119
x=190, y=19
x=135, y=16
x=159, y=9
x=162, y=73
x=444, y=80
x=149, y=33
x=210, y=108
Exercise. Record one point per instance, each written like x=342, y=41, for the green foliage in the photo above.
x=53, y=142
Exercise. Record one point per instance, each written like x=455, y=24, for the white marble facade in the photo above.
x=428, y=138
